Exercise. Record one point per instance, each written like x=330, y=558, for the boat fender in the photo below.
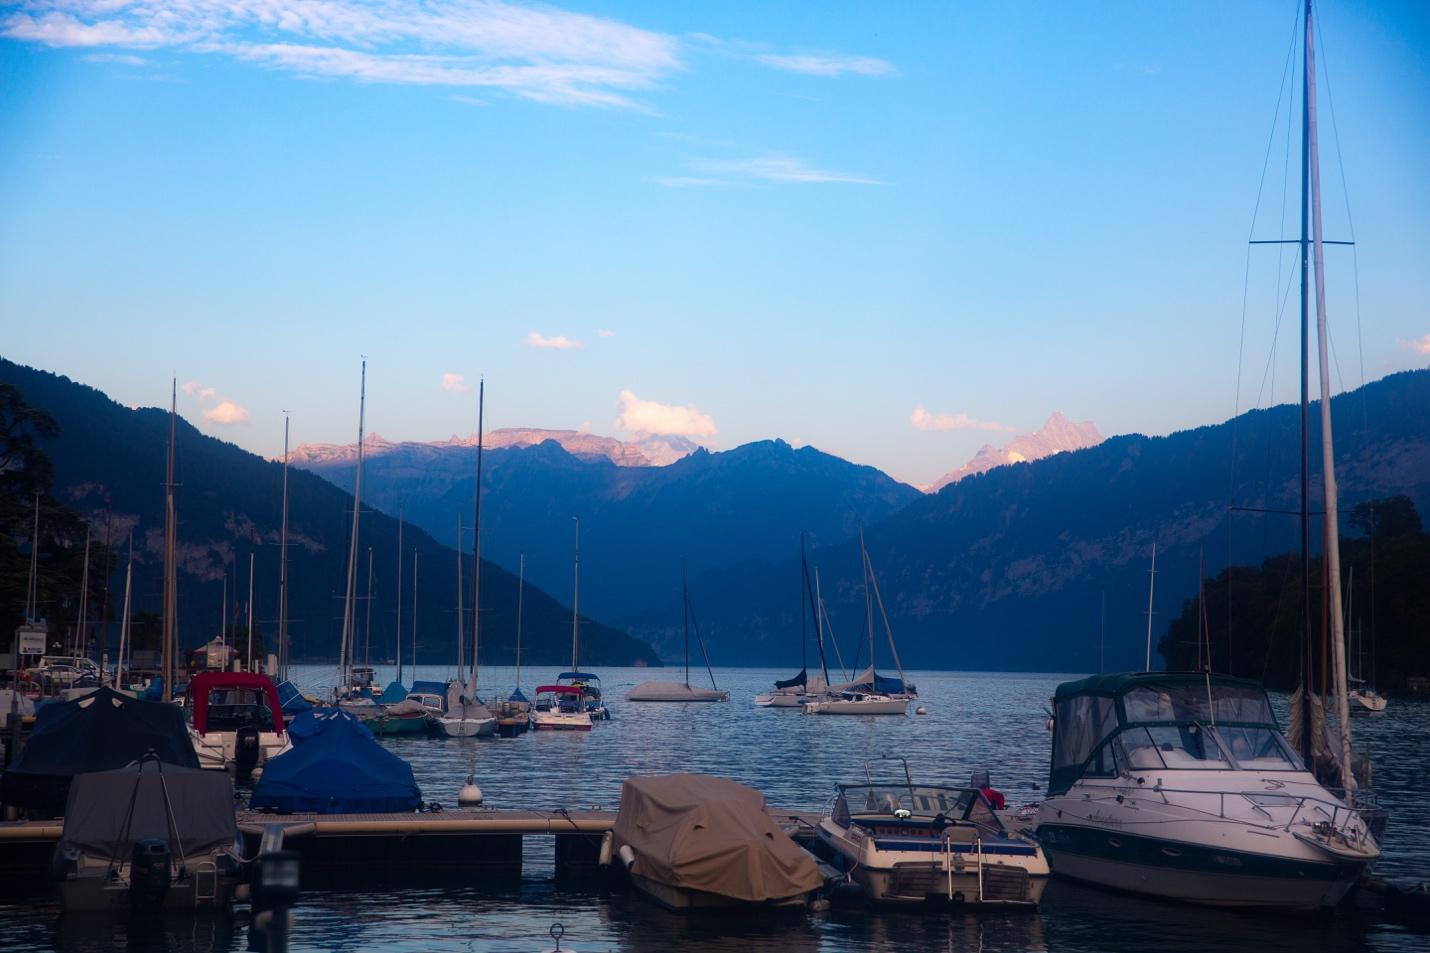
x=628, y=856
x=150, y=873
x=470, y=795
x=607, y=840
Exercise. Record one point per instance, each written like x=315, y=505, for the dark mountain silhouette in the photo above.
x=1008, y=569
x=748, y=504
x=109, y=459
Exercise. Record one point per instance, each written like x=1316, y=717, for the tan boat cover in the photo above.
x=704, y=833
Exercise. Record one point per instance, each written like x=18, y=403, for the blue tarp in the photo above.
x=428, y=688
x=516, y=696
x=155, y=691
x=306, y=724
x=292, y=699
x=583, y=676
x=338, y=769
x=393, y=693
x=888, y=685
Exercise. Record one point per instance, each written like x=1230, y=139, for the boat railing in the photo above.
x=1339, y=816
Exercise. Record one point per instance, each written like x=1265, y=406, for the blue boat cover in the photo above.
x=306, y=724
x=339, y=769
x=393, y=693
x=102, y=731
x=428, y=688
x=292, y=699
x=155, y=691
x=888, y=684
x=516, y=696
x=585, y=676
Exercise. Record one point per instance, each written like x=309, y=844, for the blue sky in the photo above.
x=754, y=220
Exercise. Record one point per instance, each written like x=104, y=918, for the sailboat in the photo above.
x=1181, y=784
x=801, y=689
x=466, y=716
x=566, y=705
x=1364, y=699
x=678, y=691
x=588, y=683
x=514, y=711
x=869, y=694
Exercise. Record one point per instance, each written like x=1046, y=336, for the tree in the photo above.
x=1393, y=518
x=24, y=468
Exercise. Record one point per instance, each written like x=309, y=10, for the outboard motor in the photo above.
x=150, y=873
x=245, y=752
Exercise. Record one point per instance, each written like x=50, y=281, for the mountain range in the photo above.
x=651, y=450
x=109, y=464
x=1058, y=435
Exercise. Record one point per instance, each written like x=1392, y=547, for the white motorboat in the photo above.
x=858, y=703
x=236, y=721
x=560, y=708
x=907, y=843
x=1181, y=785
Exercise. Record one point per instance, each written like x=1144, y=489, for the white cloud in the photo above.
x=455, y=383
x=776, y=168
x=538, y=53
x=559, y=343
x=923, y=420
x=647, y=416
x=827, y=65
x=605, y=333
x=226, y=412
x=122, y=59
x=1419, y=345
x=195, y=389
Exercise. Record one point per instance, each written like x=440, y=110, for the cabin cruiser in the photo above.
x=590, y=688
x=236, y=721
x=148, y=837
x=1181, y=785
x=560, y=708
x=907, y=843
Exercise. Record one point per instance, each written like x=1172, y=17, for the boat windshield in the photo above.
x=233, y=708
x=1196, y=747
x=1213, y=702
x=1258, y=749
x=920, y=801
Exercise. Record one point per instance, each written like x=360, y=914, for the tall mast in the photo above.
x=868, y=605
x=283, y=566
x=477, y=547
x=461, y=618
x=520, y=592
x=249, y=665
x=1307, y=661
x=685, y=617
x=349, y=642
x=1332, y=545
x=32, y=594
x=170, y=566
x=367, y=628
x=576, y=603
x=124, y=622
x=1151, y=589
x=414, y=612
x=79, y=640
x=398, y=628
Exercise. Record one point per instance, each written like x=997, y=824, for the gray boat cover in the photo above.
x=672, y=692
x=196, y=804
x=704, y=833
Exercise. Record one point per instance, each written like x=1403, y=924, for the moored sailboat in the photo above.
x=682, y=691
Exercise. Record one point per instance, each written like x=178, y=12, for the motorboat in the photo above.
x=235, y=721
x=589, y=685
x=560, y=708
x=148, y=837
x=513, y=713
x=858, y=703
x=907, y=843
x=1181, y=785
x=337, y=768
x=692, y=842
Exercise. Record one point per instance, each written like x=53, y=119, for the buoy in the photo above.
x=921, y=710
x=628, y=856
x=818, y=905
x=470, y=795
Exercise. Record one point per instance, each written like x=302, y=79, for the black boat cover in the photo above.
x=189, y=808
x=99, y=732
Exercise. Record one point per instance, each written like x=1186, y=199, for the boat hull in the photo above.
x=1367, y=702
x=549, y=721
x=93, y=891
x=216, y=749
x=682, y=900
x=896, y=706
x=465, y=727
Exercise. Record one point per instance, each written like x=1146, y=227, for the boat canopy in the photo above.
x=1087, y=713
x=339, y=769
x=99, y=732
x=428, y=688
x=558, y=689
x=710, y=834
x=393, y=693
x=190, y=808
x=580, y=676
x=248, y=691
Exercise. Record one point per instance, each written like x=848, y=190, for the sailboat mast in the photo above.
x=576, y=603
x=119, y=665
x=249, y=666
x=477, y=546
x=868, y=604
x=283, y=566
x=80, y=646
x=461, y=620
x=398, y=627
x=170, y=568
x=685, y=617
x=414, y=612
x=520, y=594
x=32, y=594
x=349, y=646
x=1151, y=588
x=1307, y=658
x=1328, y=452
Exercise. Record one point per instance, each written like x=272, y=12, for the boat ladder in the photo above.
x=204, y=869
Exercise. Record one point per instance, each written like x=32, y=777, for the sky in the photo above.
x=892, y=231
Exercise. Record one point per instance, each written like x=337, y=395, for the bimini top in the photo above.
x=101, y=731
x=558, y=689
x=190, y=808
x=1089, y=712
x=581, y=676
x=339, y=769
x=203, y=685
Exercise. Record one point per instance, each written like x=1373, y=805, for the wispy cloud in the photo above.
x=558, y=343
x=605, y=333
x=778, y=168
x=827, y=65
x=647, y=416
x=1420, y=345
x=195, y=389
x=226, y=412
x=455, y=383
x=122, y=59
x=469, y=100
x=538, y=53
x=923, y=420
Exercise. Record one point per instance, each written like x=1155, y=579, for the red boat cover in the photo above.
x=205, y=682
x=558, y=689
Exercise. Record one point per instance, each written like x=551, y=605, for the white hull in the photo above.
x=1367, y=701
x=215, y=749
x=465, y=727
x=882, y=706
x=560, y=721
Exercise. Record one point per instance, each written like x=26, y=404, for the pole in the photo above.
x=124, y=622
x=283, y=566
x=170, y=562
x=1307, y=669
x=477, y=547
x=576, y=603
x=1151, y=588
x=398, y=628
x=685, y=617
x=461, y=619
x=80, y=643
x=349, y=605
x=414, y=612
x=32, y=600
x=367, y=630
x=520, y=594
x=1102, y=638
x=101, y=648
x=248, y=667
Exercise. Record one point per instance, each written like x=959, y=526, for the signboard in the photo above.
x=30, y=640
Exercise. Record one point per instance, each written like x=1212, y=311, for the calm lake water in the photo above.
x=974, y=720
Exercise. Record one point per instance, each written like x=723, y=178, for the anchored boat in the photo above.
x=682, y=691
x=560, y=708
x=929, y=843
x=236, y=721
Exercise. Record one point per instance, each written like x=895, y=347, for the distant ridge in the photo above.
x=1058, y=435
x=651, y=450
